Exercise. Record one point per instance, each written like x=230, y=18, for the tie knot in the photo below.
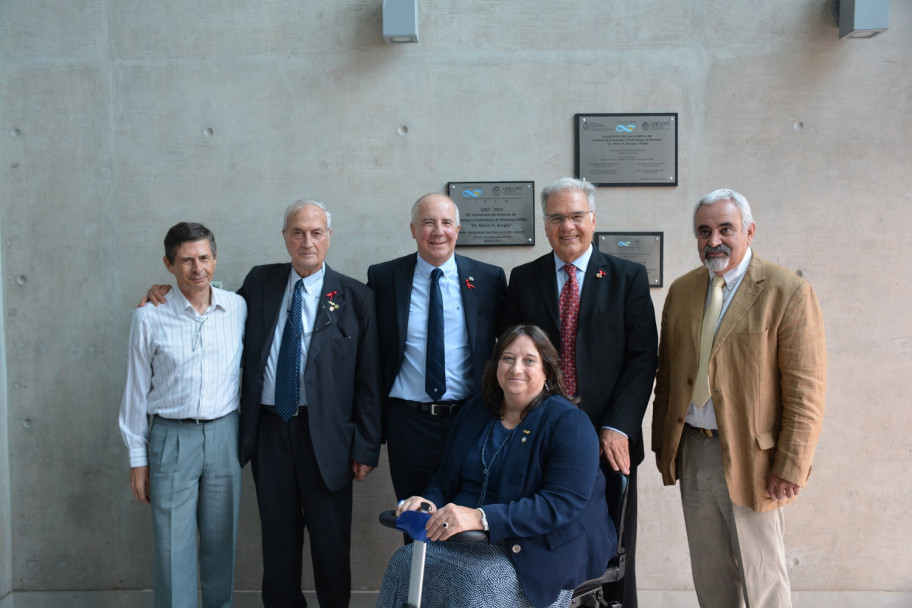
x=570, y=269
x=718, y=282
x=436, y=274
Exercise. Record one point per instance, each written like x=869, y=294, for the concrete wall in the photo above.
x=120, y=118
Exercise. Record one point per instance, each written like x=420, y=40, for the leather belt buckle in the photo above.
x=441, y=409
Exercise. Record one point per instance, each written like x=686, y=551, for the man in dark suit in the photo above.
x=310, y=410
x=416, y=418
x=597, y=308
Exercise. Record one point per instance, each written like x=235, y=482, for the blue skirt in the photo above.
x=460, y=575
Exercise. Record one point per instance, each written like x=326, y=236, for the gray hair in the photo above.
x=726, y=194
x=302, y=204
x=421, y=198
x=568, y=183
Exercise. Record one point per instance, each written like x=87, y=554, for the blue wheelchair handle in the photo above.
x=388, y=519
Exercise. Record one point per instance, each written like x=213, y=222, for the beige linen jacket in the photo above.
x=767, y=377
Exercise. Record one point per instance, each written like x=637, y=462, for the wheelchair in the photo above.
x=589, y=594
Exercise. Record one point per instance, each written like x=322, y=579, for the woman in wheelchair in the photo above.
x=522, y=462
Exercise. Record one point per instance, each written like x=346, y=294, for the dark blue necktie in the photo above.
x=435, y=374
x=288, y=369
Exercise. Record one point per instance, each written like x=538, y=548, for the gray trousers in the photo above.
x=195, y=491
x=737, y=555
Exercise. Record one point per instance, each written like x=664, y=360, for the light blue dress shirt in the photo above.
x=409, y=384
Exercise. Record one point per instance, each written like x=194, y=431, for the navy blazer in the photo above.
x=616, y=339
x=341, y=375
x=483, y=289
x=553, y=513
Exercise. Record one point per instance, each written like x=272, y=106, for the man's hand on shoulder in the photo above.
x=156, y=295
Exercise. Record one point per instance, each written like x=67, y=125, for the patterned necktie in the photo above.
x=707, y=335
x=288, y=369
x=435, y=374
x=569, y=313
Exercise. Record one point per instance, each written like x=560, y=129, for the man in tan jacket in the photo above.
x=739, y=424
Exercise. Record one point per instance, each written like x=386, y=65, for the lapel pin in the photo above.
x=599, y=274
x=470, y=283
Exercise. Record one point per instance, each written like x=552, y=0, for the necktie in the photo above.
x=288, y=368
x=435, y=374
x=707, y=335
x=569, y=313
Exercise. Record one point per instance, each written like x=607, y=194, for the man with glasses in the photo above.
x=598, y=310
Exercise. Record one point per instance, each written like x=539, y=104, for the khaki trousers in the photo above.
x=737, y=556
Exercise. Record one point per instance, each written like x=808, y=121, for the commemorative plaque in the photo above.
x=494, y=213
x=627, y=149
x=644, y=248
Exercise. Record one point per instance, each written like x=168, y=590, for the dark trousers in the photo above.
x=625, y=590
x=291, y=495
x=415, y=442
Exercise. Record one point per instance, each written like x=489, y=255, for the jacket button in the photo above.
x=680, y=421
x=516, y=548
x=690, y=382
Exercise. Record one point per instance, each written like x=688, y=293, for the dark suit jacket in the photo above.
x=551, y=510
x=341, y=375
x=616, y=339
x=483, y=289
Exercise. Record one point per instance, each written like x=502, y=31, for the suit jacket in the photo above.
x=767, y=375
x=551, y=510
x=483, y=289
x=341, y=375
x=616, y=337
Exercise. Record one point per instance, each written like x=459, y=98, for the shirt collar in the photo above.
x=312, y=282
x=180, y=303
x=424, y=267
x=581, y=263
x=734, y=276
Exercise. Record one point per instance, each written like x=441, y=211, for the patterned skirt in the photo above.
x=460, y=575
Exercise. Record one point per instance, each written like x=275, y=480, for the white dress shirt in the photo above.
x=409, y=384
x=310, y=299
x=705, y=417
x=181, y=364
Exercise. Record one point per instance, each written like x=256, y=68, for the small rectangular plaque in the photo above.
x=646, y=248
x=627, y=149
x=494, y=213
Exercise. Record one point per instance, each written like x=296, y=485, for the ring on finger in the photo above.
x=445, y=525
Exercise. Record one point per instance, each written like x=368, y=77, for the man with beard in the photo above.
x=739, y=402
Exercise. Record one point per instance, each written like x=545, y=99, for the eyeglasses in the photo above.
x=558, y=219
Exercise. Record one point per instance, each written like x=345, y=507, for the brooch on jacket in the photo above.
x=470, y=283
x=332, y=305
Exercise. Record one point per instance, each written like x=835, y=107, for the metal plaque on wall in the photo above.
x=494, y=213
x=627, y=149
x=644, y=248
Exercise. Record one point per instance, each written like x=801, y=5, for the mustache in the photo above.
x=717, y=249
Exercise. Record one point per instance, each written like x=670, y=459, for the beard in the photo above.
x=716, y=264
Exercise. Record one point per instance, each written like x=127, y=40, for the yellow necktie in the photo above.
x=707, y=334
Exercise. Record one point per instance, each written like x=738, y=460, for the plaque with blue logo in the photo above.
x=627, y=149
x=494, y=213
x=644, y=248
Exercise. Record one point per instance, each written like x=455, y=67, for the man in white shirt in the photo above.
x=179, y=419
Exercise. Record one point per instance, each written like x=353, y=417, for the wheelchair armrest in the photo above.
x=388, y=519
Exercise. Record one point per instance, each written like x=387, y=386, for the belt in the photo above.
x=189, y=420
x=436, y=408
x=704, y=432
x=270, y=409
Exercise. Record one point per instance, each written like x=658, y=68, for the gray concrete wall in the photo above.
x=120, y=118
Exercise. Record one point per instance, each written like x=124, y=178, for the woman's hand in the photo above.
x=413, y=503
x=452, y=519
